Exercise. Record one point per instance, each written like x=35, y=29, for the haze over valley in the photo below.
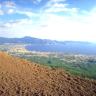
x=45, y=45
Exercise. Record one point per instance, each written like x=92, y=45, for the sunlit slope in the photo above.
x=22, y=78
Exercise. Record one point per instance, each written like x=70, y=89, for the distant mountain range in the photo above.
x=33, y=40
x=73, y=47
x=21, y=40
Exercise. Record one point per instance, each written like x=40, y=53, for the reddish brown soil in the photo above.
x=19, y=77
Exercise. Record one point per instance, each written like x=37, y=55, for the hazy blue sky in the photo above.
x=50, y=19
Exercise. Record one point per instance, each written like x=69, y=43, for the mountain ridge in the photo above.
x=28, y=39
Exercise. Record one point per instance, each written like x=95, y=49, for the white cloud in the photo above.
x=9, y=4
x=10, y=11
x=18, y=28
x=73, y=27
x=51, y=26
x=39, y=1
x=7, y=7
x=11, y=8
x=57, y=1
x=36, y=1
x=22, y=22
x=57, y=8
x=76, y=26
x=28, y=13
x=1, y=12
x=54, y=6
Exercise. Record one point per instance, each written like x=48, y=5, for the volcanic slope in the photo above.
x=19, y=77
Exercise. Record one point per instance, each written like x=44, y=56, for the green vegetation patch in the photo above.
x=84, y=68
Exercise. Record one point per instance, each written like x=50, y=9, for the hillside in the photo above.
x=19, y=77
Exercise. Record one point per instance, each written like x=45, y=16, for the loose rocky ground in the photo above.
x=19, y=77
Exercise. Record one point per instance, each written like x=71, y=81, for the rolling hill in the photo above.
x=19, y=77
